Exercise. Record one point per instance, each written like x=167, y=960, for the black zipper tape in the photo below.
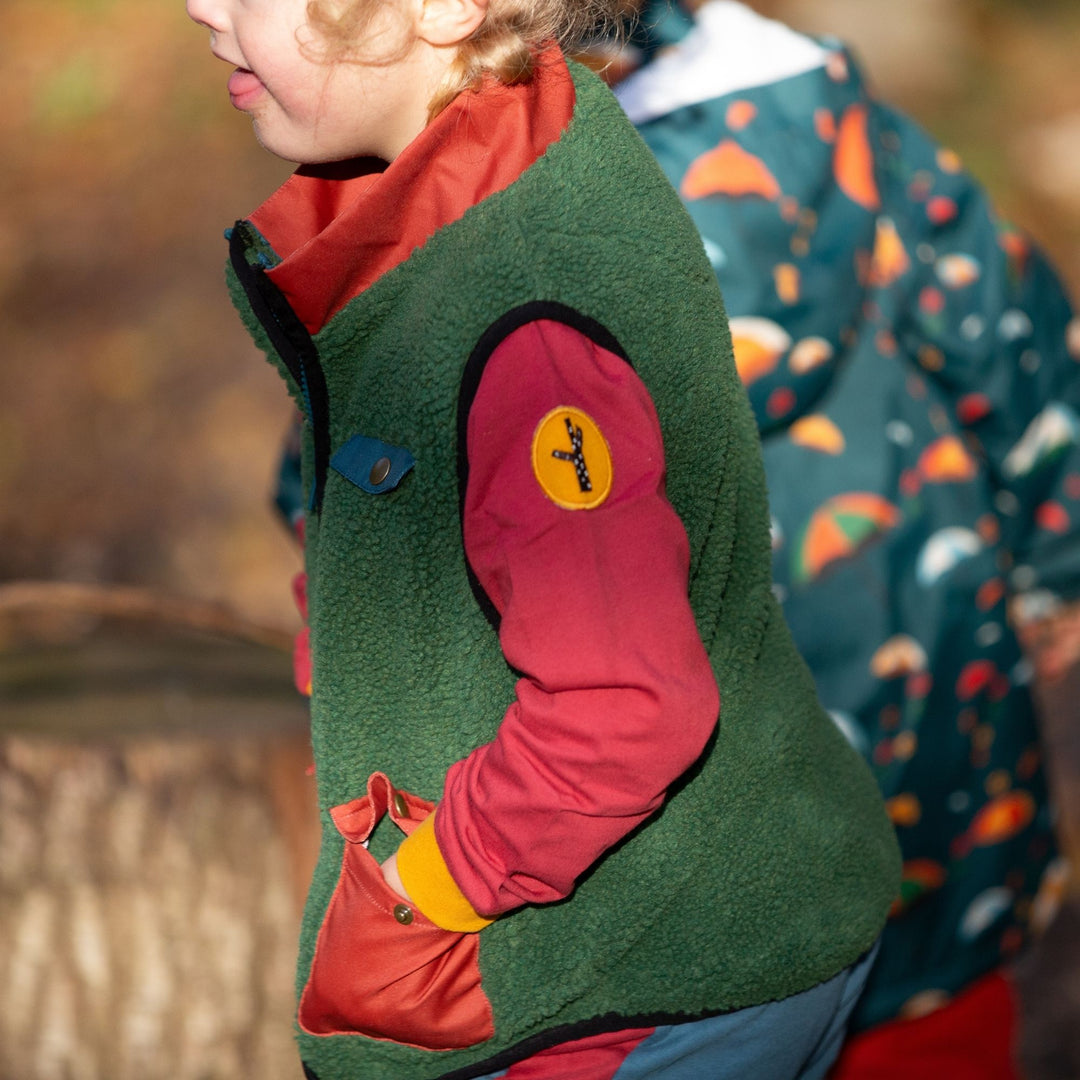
x=293, y=344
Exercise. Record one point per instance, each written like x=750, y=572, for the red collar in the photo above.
x=339, y=228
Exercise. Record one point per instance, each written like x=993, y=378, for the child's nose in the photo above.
x=208, y=13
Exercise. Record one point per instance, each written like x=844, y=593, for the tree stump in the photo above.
x=153, y=802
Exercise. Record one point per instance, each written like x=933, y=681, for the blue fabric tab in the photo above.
x=372, y=465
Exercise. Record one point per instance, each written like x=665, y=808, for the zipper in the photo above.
x=293, y=344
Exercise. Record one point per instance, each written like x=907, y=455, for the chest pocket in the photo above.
x=371, y=464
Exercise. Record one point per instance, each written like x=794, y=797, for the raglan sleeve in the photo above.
x=572, y=539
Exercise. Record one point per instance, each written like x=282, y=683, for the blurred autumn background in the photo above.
x=139, y=433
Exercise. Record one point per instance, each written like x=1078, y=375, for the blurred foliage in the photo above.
x=139, y=435
x=137, y=441
x=77, y=92
x=1044, y=10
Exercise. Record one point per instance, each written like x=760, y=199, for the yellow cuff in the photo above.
x=428, y=882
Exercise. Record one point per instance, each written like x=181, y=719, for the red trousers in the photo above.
x=974, y=1037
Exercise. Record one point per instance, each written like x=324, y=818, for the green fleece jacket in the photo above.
x=772, y=864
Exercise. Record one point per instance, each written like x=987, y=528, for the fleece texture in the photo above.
x=772, y=864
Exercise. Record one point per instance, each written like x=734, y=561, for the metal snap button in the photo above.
x=379, y=471
x=401, y=807
x=403, y=914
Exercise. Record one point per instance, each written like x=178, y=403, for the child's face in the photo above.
x=308, y=111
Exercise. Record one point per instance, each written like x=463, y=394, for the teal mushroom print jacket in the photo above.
x=912, y=362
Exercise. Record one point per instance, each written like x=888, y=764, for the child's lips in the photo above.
x=244, y=87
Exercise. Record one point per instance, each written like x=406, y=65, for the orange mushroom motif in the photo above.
x=947, y=460
x=817, y=432
x=788, y=282
x=838, y=529
x=949, y=160
x=901, y=655
x=853, y=159
x=889, y=260
x=904, y=809
x=809, y=353
x=758, y=345
x=957, y=271
x=728, y=169
x=999, y=820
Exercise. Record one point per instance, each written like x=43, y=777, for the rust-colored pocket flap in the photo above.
x=356, y=820
x=381, y=969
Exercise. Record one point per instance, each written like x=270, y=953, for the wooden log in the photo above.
x=155, y=831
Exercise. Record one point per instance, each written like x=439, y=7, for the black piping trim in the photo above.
x=545, y=1040
x=473, y=372
x=293, y=344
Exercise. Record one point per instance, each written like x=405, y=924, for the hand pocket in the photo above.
x=381, y=969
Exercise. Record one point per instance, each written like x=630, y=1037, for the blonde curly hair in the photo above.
x=503, y=47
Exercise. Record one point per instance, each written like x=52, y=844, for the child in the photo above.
x=537, y=555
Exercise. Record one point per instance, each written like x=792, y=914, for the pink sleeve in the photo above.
x=616, y=697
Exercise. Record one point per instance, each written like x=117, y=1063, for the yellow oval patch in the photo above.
x=571, y=459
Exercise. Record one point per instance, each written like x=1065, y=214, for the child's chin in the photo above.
x=298, y=151
x=284, y=148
